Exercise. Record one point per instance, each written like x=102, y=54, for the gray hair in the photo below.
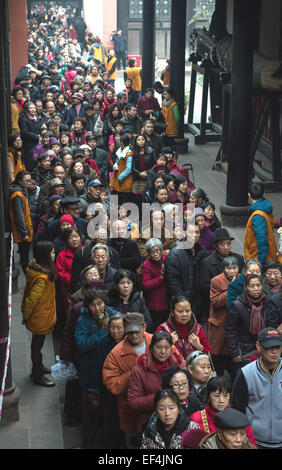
x=153, y=242
x=100, y=246
x=194, y=357
x=252, y=261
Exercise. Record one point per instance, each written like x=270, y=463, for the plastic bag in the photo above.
x=61, y=371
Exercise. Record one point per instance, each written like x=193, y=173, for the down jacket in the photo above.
x=145, y=382
x=38, y=303
x=183, y=345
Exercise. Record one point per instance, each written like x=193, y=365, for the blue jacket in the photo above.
x=260, y=227
x=87, y=337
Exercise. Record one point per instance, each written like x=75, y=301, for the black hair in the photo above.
x=93, y=294
x=67, y=233
x=249, y=277
x=125, y=140
x=171, y=371
x=166, y=393
x=43, y=257
x=256, y=190
x=177, y=299
x=159, y=336
x=220, y=383
x=121, y=274
x=21, y=175
x=207, y=204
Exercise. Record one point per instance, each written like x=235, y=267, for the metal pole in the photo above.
x=148, y=44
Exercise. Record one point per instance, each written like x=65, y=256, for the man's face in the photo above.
x=132, y=112
x=223, y=248
x=73, y=210
x=50, y=107
x=26, y=182
x=106, y=77
x=269, y=355
x=39, y=106
x=149, y=129
x=95, y=191
x=49, y=96
x=149, y=95
x=59, y=190
x=136, y=338
x=59, y=172
x=92, y=143
x=233, y=438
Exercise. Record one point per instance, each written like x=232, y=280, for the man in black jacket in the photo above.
x=182, y=270
x=120, y=47
x=130, y=256
x=212, y=265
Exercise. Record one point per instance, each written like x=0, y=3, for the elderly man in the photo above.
x=230, y=434
x=212, y=265
x=117, y=370
x=130, y=256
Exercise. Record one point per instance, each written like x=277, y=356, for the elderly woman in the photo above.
x=146, y=375
x=153, y=282
x=218, y=314
x=88, y=274
x=245, y=319
x=91, y=326
x=179, y=380
x=199, y=366
x=186, y=332
x=101, y=258
x=236, y=287
x=167, y=424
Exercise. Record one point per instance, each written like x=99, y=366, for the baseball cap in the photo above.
x=133, y=322
x=269, y=337
x=56, y=182
x=94, y=183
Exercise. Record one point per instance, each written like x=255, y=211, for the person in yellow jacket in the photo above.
x=134, y=73
x=170, y=112
x=165, y=76
x=111, y=67
x=39, y=307
x=20, y=218
x=15, y=156
x=259, y=240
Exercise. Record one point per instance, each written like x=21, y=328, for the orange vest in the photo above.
x=124, y=186
x=27, y=218
x=108, y=66
x=172, y=128
x=134, y=74
x=166, y=77
x=250, y=243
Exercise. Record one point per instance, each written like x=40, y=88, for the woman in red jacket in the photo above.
x=153, y=282
x=218, y=392
x=64, y=262
x=146, y=375
x=187, y=334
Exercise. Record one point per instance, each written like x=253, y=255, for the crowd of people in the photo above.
x=176, y=345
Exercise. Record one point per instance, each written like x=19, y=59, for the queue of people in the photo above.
x=176, y=345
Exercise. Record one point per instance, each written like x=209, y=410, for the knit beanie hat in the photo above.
x=192, y=438
x=67, y=218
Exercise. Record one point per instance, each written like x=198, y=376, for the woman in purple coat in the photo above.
x=206, y=236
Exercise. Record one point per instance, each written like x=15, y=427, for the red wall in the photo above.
x=18, y=36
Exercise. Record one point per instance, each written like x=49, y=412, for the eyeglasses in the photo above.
x=177, y=386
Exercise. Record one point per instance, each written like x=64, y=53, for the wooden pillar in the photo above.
x=235, y=211
x=177, y=55
x=148, y=48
